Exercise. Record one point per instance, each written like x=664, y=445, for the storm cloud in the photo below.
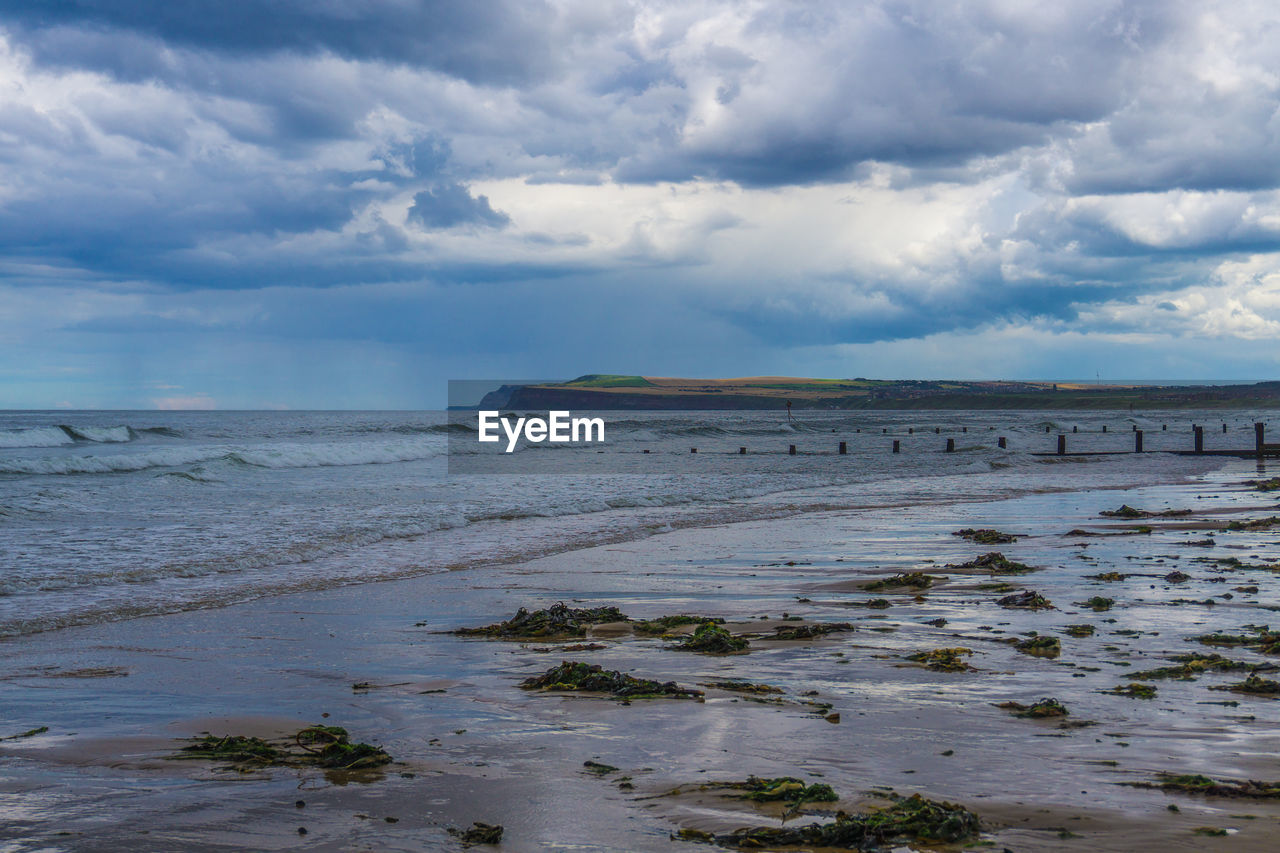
x=413, y=191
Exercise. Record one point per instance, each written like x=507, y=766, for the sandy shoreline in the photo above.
x=117, y=697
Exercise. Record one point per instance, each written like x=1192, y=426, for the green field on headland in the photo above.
x=609, y=391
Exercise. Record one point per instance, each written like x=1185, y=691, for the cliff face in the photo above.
x=904, y=395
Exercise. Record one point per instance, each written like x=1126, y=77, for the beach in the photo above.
x=118, y=698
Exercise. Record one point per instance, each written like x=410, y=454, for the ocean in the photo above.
x=111, y=515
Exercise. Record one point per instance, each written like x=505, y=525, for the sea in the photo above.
x=108, y=515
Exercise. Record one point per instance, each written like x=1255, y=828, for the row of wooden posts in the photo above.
x=1259, y=436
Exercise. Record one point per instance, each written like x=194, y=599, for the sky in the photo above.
x=346, y=203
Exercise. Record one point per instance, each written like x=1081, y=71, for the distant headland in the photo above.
x=596, y=391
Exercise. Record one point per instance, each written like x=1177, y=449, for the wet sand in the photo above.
x=471, y=746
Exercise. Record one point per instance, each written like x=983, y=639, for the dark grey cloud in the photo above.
x=495, y=41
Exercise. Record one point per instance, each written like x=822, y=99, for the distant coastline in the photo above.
x=603, y=392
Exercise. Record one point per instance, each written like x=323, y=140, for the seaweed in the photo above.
x=575, y=676
x=907, y=819
x=713, y=639
x=876, y=603
x=598, y=768
x=1041, y=646
x=986, y=536
x=1041, y=710
x=743, y=687
x=944, y=660
x=28, y=733
x=664, y=624
x=328, y=747
x=1133, y=691
x=1271, y=484
x=558, y=620
x=1198, y=784
x=479, y=833
x=808, y=632
x=1026, y=600
x=1190, y=666
x=1097, y=604
x=1253, y=685
x=787, y=789
x=1078, y=630
x=995, y=563
x=915, y=580
x=1177, y=577
x=1126, y=511
x=1252, y=525
x=1109, y=577
x=1262, y=639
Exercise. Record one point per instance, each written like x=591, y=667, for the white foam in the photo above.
x=35, y=437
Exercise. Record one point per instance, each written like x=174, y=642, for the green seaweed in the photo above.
x=995, y=563
x=907, y=819
x=787, y=789
x=664, y=624
x=479, y=833
x=944, y=660
x=1026, y=600
x=1079, y=630
x=1042, y=646
x=1253, y=525
x=1040, y=710
x=1253, y=685
x=986, y=536
x=1133, y=691
x=1198, y=784
x=1109, y=577
x=1097, y=604
x=575, y=676
x=808, y=632
x=557, y=620
x=713, y=639
x=1191, y=665
x=913, y=580
x=328, y=747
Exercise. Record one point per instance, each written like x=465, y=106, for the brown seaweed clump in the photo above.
x=1108, y=577
x=912, y=580
x=1253, y=525
x=665, y=624
x=1197, y=784
x=986, y=536
x=479, y=833
x=1133, y=691
x=787, y=789
x=1097, y=604
x=808, y=632
x=1042, y=646
x=1078, y=631
x=1041, y=710
x=575, y=676
x=328, y=747
x=907, y=819
x=995, y=563
x=558, y=620
x=944, y=660
x=1261, y=639
x=1126, y=511
x=1271, y=484
x=1026, y=600
x=713, y=639
x=1190, y=666
x=1253, y=685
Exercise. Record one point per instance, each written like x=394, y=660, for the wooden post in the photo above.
x=937, y=430
x=1137, y=441
x=1163, y=427
x=792, y=450
x=1259, y=435
x=1104, y=427
x=1199, y=439
x=1002, y=442
x=884, y=431
x=1135, y=427
x=1046, y=429
x=897, y=448
x=1075, y=429
x=646, y=451
x=1062, y=444
x=742, y=451
x=951, y=445
x=693, y=450
x=844, y=448
x=1224, y=427
x=964, y=429
x=911, y=430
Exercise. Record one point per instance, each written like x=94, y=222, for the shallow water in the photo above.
x=108, y=515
